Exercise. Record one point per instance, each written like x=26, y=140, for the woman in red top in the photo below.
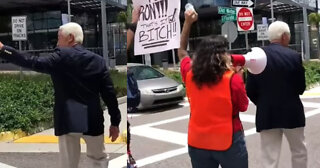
x=216, y=95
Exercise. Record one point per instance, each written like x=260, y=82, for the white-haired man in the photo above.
x=79, y=78
x=276, y=92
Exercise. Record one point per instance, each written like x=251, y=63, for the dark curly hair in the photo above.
x=210, y=61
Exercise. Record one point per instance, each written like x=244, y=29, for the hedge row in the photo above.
x=312, y=73
x=27, y=104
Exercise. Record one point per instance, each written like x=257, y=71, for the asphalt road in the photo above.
x=40, y=160
x=160, y=136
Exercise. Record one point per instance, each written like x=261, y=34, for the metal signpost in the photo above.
x=245, y=21
x=19, y=31
x=229, y=30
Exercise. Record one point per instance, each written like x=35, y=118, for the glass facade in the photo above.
x=43, y=25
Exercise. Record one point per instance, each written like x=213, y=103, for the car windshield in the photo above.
x=145, y=72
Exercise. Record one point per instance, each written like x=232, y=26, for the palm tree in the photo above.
x=125, y=16
x=314, y=20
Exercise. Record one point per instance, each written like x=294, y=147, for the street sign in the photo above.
x=262, y=32
x=229, y=30
x=19, y=28
x=245, y=19
x=243, y=3
x=227, y=18
x=224, y=11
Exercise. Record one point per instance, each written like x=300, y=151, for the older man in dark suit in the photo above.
x=276, y=92
x=79, y=78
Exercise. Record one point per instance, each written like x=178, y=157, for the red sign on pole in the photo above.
x=245, y=19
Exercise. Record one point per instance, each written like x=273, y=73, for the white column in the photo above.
x=104, y=31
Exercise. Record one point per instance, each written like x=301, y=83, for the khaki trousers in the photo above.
x=271, y=146
x=69, y=147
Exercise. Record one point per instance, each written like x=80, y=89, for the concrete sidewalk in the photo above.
x=312, y=93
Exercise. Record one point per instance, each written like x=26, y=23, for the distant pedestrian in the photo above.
x=276, y=92
x=80, y=78
x=133, y=96
x=133, y=92
x=216, y=95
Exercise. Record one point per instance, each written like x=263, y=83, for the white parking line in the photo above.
x=250, y=131
x=133, y=115
x=148, y=131
x=160, y=135
x=2, y=165
x=247, y=118
x=165, y=121
x=161, y=156
x=311, y=104
x=312, y=113
x=120, y=161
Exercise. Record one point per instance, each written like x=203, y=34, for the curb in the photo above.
x=54, y=139
x=122, y=100
x=311, y=94
x=122, y=139
x=11, y=135
x=19, y=134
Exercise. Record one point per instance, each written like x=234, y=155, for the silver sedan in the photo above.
x=156, y=89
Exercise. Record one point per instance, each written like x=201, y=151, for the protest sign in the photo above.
x=158, y=27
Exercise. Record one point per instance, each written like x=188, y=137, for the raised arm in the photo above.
x=45, y=64
x=132, y=27
x=190, y=18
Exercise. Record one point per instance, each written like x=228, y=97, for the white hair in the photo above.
x=276, y=30
x=73, y=28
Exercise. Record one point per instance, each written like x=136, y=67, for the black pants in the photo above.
x=129, y=136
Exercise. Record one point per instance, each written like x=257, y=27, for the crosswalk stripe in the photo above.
x=120, y=161
x=133, y=115
x=311, y=104
x=162, y=156
x=2, y=165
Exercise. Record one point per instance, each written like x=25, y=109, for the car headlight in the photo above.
x=146, y=92
x=180, y=87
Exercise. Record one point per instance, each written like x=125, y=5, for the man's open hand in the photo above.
x=113, y=133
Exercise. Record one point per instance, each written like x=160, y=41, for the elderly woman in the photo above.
x=216, y=95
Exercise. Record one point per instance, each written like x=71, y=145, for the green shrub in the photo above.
x=175, y=75
x=120, y=82
x=27, y=104
x=312, y=73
